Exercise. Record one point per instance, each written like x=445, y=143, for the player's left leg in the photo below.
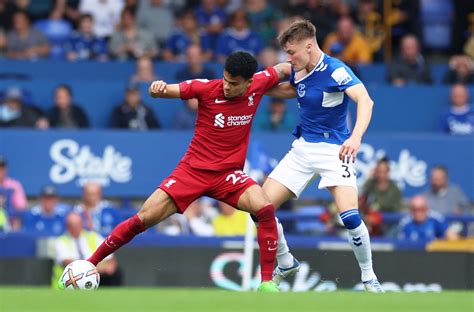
x=287, y=263
x=253, y=200
x=156, y=208
x=346, y=202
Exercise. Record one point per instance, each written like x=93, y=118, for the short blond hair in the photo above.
x=298, y=30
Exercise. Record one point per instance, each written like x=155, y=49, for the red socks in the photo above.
x=267, y=236
x=121, y=235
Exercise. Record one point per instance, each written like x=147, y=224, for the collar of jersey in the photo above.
x=312, y=71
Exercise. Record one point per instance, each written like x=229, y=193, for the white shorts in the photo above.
x=305, y=161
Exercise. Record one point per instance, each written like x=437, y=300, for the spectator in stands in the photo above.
x=25, y=42
x=188, y=33
x=56, y=29
x=461, y=70
x=13, y=113
x=321, y=13
x=3, y=43
x=262, y=15
x=97, y=214
x=12, y=188
x=371, y=23
x=459, y=120
x=379, y=195
x=410, y=67
x=230, y=221
x=186, y=116
x=443, y=197
x=133, y=114
x=65, y=114
x=79, y=244
x=238, y=36
x=379, y=192
x=83, y=44
x=48, y=217
x=156, y=17
x=194, y=68
x=35, y=9
x=4, y=224
x=12, y=196
x=268, y=57
x=105, y=13
x=144, y=72
x=423, y=224
x=211, y=18
x=276, y=119
x=176, y=224
x=200, y=222
x=7, y=9
x=131, y=42
x=348, y=44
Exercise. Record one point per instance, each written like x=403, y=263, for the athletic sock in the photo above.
x=284, y=257
x=360, y=242
x=121, y=235
x=267, y=237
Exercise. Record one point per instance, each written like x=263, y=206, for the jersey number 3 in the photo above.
x=346, y=173
x=237, y=176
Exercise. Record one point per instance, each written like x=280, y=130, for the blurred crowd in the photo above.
x=355, y=31
x=407, y=36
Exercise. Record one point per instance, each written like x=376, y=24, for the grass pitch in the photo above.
x=206, y=300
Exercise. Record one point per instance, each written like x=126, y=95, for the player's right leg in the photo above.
x=156, y=208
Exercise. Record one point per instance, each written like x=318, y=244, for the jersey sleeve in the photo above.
x=342, y=77
x=192, y=88
x=267, y=78
x=292, y=77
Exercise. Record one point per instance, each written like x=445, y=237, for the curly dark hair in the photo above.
x=241, y=64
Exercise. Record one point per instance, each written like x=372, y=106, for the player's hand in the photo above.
x=349, y=149
x=157, y=87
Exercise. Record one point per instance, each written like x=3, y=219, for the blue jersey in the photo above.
x=433, y=227
x=37, y=222
x=459, y=122
x=322, y=101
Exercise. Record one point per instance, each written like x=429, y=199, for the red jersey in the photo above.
x=223, y=125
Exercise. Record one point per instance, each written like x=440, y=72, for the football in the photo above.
x=79, y=275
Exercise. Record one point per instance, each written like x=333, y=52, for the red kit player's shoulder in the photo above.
x=265, y=79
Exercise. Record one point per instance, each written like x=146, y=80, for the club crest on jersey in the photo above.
x=251, y=99
x=301, y=90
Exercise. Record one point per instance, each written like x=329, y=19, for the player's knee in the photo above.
x=267, y=212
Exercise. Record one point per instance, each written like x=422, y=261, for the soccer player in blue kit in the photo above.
x=324, y=145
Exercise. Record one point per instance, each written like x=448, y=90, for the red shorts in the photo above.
x=186, y=184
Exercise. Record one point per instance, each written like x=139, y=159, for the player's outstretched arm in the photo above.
x=358, y=93
x=283, y=70
x=283, y=90
x=160, y=89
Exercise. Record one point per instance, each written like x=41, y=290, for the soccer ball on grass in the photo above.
x=79, y=275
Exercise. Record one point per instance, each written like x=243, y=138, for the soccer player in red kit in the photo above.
x=212, y=165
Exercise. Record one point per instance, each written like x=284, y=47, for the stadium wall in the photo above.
x=322, y=270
